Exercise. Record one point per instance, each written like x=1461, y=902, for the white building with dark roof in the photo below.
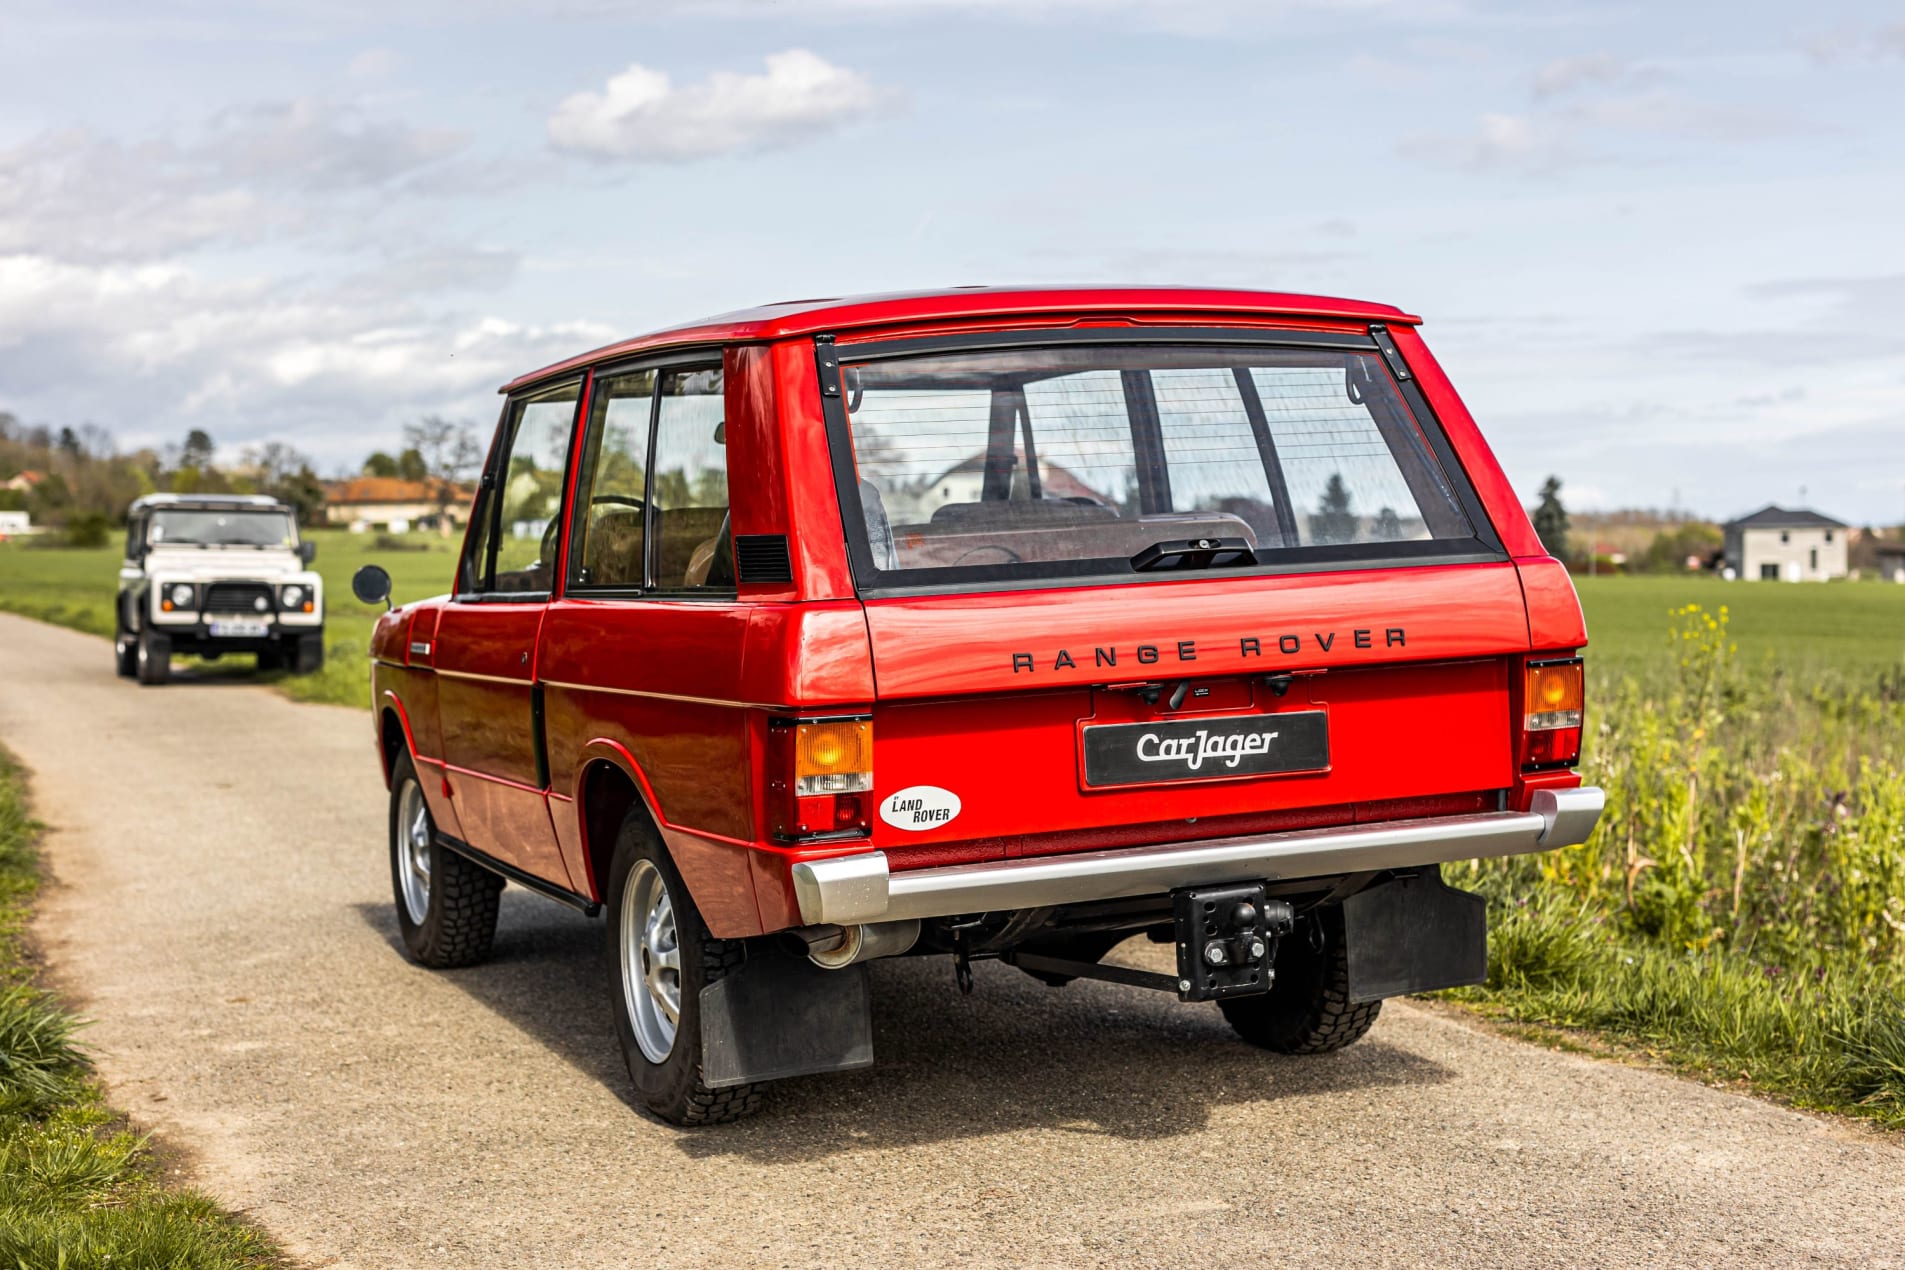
x=1777, y=545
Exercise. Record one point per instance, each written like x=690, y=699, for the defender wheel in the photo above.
x=446, y=906
x=307, y=658
x=660, y=956
x=271, y=659
x=125, y=655
x=152, y=658
x=1307, y=1010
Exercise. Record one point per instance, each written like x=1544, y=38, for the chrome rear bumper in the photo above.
x=861, y=888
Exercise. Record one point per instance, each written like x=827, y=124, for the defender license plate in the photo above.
x=239, y=628
x=1207, y=747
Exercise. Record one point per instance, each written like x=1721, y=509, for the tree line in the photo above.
x=82, y=482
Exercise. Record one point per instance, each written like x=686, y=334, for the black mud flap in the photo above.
x=778, y=1016
x=1414, y=934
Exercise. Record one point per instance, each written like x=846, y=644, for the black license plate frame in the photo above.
x=1203, y=747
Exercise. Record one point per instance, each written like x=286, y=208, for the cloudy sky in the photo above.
x=1660, y=246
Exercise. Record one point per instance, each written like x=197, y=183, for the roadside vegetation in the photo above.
x=77, y=1187
x=1740, y=911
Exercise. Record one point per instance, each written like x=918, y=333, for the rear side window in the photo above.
x=1117, y=460
x=688, y=489
x=612, y=490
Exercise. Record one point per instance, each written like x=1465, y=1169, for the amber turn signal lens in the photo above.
x=1554, y=697
x=831, y=749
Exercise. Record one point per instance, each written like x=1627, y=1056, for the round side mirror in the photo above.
x=371, y=585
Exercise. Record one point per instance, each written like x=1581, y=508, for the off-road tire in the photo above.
x=459, y=923
x=125, y=654
x=1307, y=1010
x=307, y=655
x=152, y=658
x=672, y=1089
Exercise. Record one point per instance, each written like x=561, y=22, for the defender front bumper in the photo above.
x=861, y=888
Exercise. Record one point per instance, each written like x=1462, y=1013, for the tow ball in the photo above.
x=1227, y=940
x=1226, y=946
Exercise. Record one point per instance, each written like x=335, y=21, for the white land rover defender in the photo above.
x=212, y=574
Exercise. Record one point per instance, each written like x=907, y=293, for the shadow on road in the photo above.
x=1090, y=1058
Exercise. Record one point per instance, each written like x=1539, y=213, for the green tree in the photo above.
x=380, y=464
x=411, y=467
x=1335, y=519
x=198, y=450
x=1551, y=519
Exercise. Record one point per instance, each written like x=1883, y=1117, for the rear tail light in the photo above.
x=1552, y=699
x=820, y=777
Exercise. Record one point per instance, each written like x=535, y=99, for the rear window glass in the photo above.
x=1125, y=460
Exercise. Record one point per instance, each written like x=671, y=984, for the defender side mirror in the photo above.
x=371, y=585
x=307, y=552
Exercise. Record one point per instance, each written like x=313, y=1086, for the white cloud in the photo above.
x=1568, y=73
x=642, y=115
x=1500, y=142
x=251, y=173
x=373, y=63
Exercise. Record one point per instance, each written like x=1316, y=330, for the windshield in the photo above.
x=1126, y=459
x=224, y=527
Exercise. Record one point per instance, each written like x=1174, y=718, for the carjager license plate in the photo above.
x=1200, y=749
x=240, y=628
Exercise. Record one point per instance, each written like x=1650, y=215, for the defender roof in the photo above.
x=207, y=501
x=793, y=318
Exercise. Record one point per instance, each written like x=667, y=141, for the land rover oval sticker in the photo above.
x=920, y=807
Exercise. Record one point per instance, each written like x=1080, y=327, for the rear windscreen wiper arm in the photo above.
x=1194, y=553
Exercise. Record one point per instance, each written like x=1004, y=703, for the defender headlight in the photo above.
x=292, y=597
x=178, y=596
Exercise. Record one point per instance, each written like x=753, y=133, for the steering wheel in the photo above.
x=617, y=500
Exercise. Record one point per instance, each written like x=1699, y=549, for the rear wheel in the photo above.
x=152, y=658
x=1307, y=1010
x=446, y=906
x=660, y=957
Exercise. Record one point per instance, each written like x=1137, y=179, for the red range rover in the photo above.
x=983, y=623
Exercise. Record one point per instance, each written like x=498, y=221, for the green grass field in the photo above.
x=76, y=587
x=1855, y=627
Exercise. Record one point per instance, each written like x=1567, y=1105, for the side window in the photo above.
x=605, y=547
x=135, y=537
x=528, y=492
x=691, y=548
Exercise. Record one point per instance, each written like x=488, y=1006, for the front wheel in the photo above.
x=125, y=654
x=307, y=655
x=660, y=956
x=1307, y=1010
x=446, y=906
x=152, y=658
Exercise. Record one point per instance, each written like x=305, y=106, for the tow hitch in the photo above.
x=1226, y=946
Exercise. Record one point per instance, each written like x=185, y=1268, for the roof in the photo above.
x=388, y=489
x=793, y=318
x=206, y=500
x=1773, y=516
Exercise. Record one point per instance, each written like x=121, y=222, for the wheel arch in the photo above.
x=718, y=872
x=393, y=734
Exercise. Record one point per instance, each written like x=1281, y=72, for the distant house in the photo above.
x=1777, y=545
x=24, y=482
x=394, y=504
x=14, y=523
x=1891, y=557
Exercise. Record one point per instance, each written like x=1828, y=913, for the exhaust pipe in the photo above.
x=837, y=947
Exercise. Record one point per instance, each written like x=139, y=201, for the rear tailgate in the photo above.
x=1398, y=704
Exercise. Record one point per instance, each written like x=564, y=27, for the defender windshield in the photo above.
x=1132, y=460
x=221, y=527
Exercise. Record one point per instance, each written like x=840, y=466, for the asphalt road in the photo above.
x=222, y=909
